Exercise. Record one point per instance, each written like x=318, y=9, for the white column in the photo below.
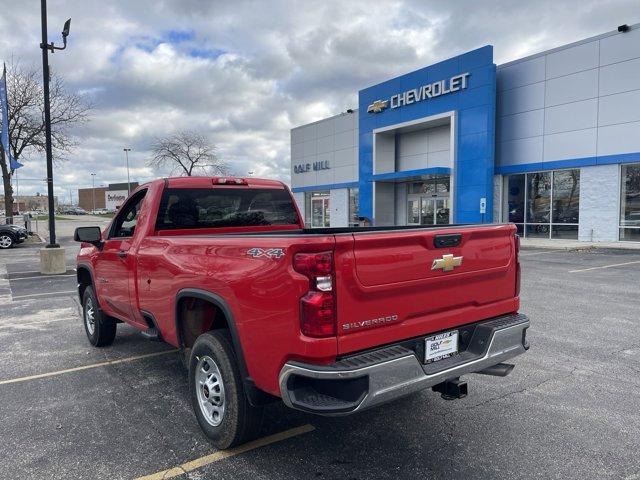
x=497, y=199
x=599, y=203
x=339, y=206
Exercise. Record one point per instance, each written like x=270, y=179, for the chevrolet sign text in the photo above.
x=431, y=90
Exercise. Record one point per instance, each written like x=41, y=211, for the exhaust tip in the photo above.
x=498, y=370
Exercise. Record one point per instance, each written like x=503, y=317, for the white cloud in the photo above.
x=246, y=72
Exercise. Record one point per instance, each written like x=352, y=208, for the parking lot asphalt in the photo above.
x=570, y=409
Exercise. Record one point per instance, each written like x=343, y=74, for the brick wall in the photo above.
x=85, y=198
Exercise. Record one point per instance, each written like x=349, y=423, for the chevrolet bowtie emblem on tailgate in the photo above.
x=446, y=263
x=377, y=106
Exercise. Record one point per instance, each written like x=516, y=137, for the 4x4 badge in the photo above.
x=256, y=252
x=446, y=263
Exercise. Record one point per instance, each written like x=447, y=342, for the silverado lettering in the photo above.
x=263, y=308
x=370, y=323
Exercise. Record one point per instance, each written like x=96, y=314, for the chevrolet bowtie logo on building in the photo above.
x=446, y=263
x=377, y=106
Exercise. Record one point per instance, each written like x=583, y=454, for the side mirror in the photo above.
x=91, y=235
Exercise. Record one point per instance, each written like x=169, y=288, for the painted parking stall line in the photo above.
x=44, y=294
x=36, y=273
x=30, y=325
x=605, y=266
x=222, y=454
x=42, y=277
x=85, y=367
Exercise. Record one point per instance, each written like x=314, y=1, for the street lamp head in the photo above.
x=126, y=149
x=65, y=29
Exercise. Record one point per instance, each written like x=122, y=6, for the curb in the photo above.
x=581, y=248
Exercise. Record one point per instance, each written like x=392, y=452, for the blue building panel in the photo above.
x=475, y=128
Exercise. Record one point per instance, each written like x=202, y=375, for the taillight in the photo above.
x=317, y=306
x=517, y=242
x=316, y=314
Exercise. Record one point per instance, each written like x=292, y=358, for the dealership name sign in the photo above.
x=424, y=92
x=307, y=167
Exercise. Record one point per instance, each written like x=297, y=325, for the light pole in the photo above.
x=45, y=46
x=126, y=154
x=93, y=191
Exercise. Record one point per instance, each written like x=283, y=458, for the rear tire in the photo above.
x=100, y=329
x=6, y=241
x=217, y=392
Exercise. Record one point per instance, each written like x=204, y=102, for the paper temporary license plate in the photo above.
x=441, y=346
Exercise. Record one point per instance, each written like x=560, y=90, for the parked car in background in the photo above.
x=73, y=211
x=11, y=235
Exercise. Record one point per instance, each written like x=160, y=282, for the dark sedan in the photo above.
x=11, y=235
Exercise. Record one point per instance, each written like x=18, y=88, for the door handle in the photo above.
x=122, y=254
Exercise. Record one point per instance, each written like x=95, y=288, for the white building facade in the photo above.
x=550, y=142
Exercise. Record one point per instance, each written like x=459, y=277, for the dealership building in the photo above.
x=550, y=142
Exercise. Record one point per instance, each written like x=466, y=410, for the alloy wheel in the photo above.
x=5, y=241
x=90, y=316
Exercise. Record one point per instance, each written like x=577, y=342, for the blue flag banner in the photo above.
x=4, y=135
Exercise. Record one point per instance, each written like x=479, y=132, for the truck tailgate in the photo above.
x=402, y=284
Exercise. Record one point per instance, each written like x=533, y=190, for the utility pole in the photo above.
x=93, y=191
x=45, y=46
x=47, y=124
x=126, y=154
x=53, y=261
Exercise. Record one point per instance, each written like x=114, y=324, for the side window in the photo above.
x=125, y=223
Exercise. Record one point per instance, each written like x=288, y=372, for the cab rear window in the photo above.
x=224, y=207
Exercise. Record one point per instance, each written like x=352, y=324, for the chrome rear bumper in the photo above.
x=372, y=378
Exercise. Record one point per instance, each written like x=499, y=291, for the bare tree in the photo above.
x=26, y=119
x=186, y=153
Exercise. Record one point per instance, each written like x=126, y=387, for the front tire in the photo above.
x=6, y=240
x=100, y=329
x=217, y=392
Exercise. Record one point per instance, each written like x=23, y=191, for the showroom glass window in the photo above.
x=630, y=203
x=544, y=204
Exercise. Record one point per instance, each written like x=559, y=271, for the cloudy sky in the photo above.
x=245, y=73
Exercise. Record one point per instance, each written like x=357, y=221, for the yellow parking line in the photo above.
x=35, y=322
x=222, y=454
x=85, y=367
x=31, y=295
x=604, y=266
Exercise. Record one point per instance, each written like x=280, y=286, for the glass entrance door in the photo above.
x=319, y=212
x=441, y=211
x=422, y=210
x=427, y=211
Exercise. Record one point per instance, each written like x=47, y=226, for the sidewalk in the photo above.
x=559, y=244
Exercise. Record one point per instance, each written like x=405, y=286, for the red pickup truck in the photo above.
x=332, y=320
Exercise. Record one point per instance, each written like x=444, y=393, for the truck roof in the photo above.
x=207, y=182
